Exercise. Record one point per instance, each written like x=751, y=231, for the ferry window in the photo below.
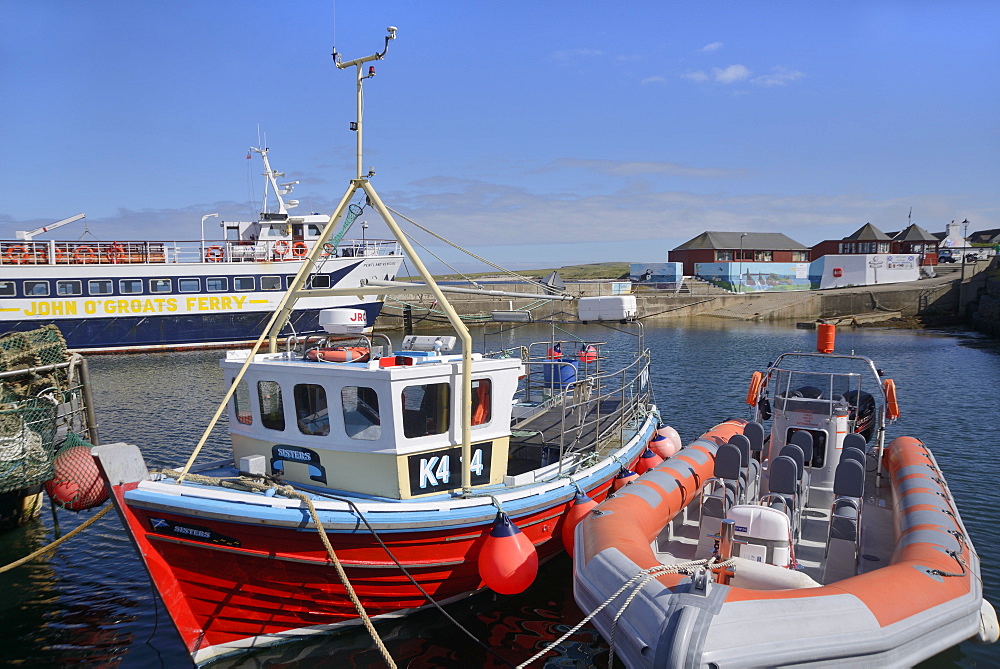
x=321, y=281
x=100, y=287
x=159, y=285
x=241, y=404
x=6, y=288
x=482, y=401
x=361, y=417
x=310, y=409
x=723, y=256
x=313, y=230
x=130, y=286
x=189, y=285
x=214, y=284
x=69, y=288
x=270, y=283
x=232, y=234
x=272, y=411
x=426, y=409
x=243, y=283
x=36, y=288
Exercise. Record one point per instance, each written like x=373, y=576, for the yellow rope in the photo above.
x=55, y=544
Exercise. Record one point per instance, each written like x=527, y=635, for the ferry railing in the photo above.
x=86, y=252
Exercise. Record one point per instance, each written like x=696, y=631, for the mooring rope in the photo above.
x=636, y=583
x=55, y=544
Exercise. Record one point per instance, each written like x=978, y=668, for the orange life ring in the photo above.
x=114, y=251
x=339, y=354
x=280, y=247
x=214, y=253
x=756, y=380
x=84, y=254
x=891, y=406
x=17, y=255
x=300, y=249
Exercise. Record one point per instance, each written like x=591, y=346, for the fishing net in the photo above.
x=76, y=484
x=26, y=350
x=27, y=432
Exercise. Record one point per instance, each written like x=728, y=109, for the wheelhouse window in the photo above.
x=215, y=284
x=312, y=230
x=272, y=411
x=275, y=230
x=191, y=285
x=36, y=288
x=7, y=288
x=482, y=401
x=270, y=283
x=101, y=287
x=159, y=285
x=69, y=288
x=361, y=416
x=243, y=283
x=241, y=404
x=130, y=286
x=310, y=409
x=426, y=409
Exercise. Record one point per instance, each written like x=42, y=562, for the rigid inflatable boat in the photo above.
x=808, y=543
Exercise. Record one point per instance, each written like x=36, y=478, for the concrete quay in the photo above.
x=946, y=293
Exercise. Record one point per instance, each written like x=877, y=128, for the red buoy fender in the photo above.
x=625, y=476
x=582, y=504
x=76, y=484
x=647, y=461
x=508, y=562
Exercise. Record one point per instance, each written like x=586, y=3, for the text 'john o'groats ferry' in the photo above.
x=142, y=295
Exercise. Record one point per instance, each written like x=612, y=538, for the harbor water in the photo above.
x=92, y=603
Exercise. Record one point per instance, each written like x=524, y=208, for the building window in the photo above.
x=270, y=283
x=272, y=411
x=241, y=403
x=36, y=288
x=723, y=256
x=426, y=409
x=361, y=416
x=215, y=284
x=800, y=256
x=763, y=256
x=100, y=287
x=243, y=283
x=130, y=286
x=7, y=288
x=69, y=288
x=482, y=401
x=189, y=285
x=883, y=247
x=159, y=285
x=310, y=409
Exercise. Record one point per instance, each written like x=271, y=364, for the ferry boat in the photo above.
x=369, y=479
x=163, y=295
x=797, y=538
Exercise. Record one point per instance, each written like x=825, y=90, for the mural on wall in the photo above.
x=751, y=277
x=659, y=275
x=841, y=271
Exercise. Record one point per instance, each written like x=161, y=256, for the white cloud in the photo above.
x=708, y=48
x=642, y=167
x=656, y=79
x=697, y=75
x=731, y=74
x=779, y=76
x=570, y=56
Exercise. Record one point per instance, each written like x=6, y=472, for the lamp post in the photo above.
x=203, y=226
x=742, y=235
x=965, y=245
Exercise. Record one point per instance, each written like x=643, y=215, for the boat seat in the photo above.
x=765, y=530
x=750, y=467
x=783, y=488
x=724, y=490
x=851, y=453
x=729, y=468
x=754, y=432
x=802, y=476
x=856, y=440
x=844, y=542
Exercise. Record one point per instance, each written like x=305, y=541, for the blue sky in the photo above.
x=535, y=133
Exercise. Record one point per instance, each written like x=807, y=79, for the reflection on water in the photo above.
x=91, y=602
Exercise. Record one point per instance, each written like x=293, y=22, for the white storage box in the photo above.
x=607, y=308
x=343, y=321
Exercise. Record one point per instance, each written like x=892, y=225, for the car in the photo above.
x=946, y=256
